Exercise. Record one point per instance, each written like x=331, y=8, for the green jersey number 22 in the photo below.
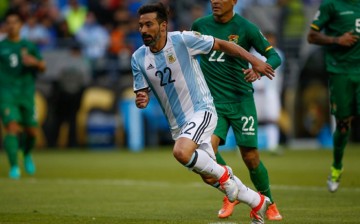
x=217, y=59
x=248, y=123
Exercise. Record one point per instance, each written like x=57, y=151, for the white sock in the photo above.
x=202, y=163
x=247, y=195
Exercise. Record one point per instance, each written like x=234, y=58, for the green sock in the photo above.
x=340, y=141
x=259, y=177
x=29, y=143
x=219, y=159
x=11, y=145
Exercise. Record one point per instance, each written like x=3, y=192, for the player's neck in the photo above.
x=225, y=17
x=13, y=38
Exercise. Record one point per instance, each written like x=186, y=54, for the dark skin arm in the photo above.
x=31, y=61
x=258, y=66
x=346, y=40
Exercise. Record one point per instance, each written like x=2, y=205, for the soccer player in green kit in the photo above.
x=340, y=21
x=233, y=92
x=19, y=62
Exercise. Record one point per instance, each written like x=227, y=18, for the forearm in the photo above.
x=41, y=66
x=33, y=62
x=234, y=50
x=316, y=37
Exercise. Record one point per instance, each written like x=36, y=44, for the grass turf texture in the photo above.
x=117, y=186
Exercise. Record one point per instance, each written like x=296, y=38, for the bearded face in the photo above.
x=151, y=39
x=150, y=29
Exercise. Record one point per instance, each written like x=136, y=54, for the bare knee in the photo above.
x=12, y=128
x=343, y=125
x=183, y=150
x=181, y=156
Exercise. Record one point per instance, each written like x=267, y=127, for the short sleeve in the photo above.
x=198, y=43
x=139, y=81
x=322, y=16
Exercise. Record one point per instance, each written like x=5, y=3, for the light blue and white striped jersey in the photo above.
x=174, y=75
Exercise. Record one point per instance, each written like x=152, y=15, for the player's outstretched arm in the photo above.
x=32, y=61
x=347, y=39
x=237, y=51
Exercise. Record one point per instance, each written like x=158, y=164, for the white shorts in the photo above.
x=199, y=129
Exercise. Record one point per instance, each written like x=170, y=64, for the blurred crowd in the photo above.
x=89, y=43
x=108, y=28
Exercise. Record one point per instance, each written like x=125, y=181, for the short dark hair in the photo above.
x=14, y=13
x=159, y=8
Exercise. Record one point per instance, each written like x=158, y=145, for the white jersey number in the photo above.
x=14, y=60
x=248, y=123
x=217, y=59
x=357, y=25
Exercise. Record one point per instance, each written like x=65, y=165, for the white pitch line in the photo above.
x=165, y=184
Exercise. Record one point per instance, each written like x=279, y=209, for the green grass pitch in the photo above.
x=151, y=187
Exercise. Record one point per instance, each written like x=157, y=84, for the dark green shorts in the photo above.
x=242, y=118
x=23, y=114
x=344, y=95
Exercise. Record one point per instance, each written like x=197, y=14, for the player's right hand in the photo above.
x=142, y=99
x=347, y=39
x=264, y=68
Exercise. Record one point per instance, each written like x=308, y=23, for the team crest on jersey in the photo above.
x=197, y=34
x=171, y=58
x=234, y=38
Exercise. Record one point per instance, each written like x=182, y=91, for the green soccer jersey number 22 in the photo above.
x=217, y=59
x=248, y=124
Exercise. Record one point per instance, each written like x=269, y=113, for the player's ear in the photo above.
x=163, y=26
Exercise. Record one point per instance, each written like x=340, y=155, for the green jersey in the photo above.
x=223, y=73
x=17, y=81
x=337, y=17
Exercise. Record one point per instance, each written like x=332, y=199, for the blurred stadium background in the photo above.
x=85, y=97
x=87, y=171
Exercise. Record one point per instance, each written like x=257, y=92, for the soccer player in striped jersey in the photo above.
x=233, y=92
x=340, y=21
x=166, y=65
